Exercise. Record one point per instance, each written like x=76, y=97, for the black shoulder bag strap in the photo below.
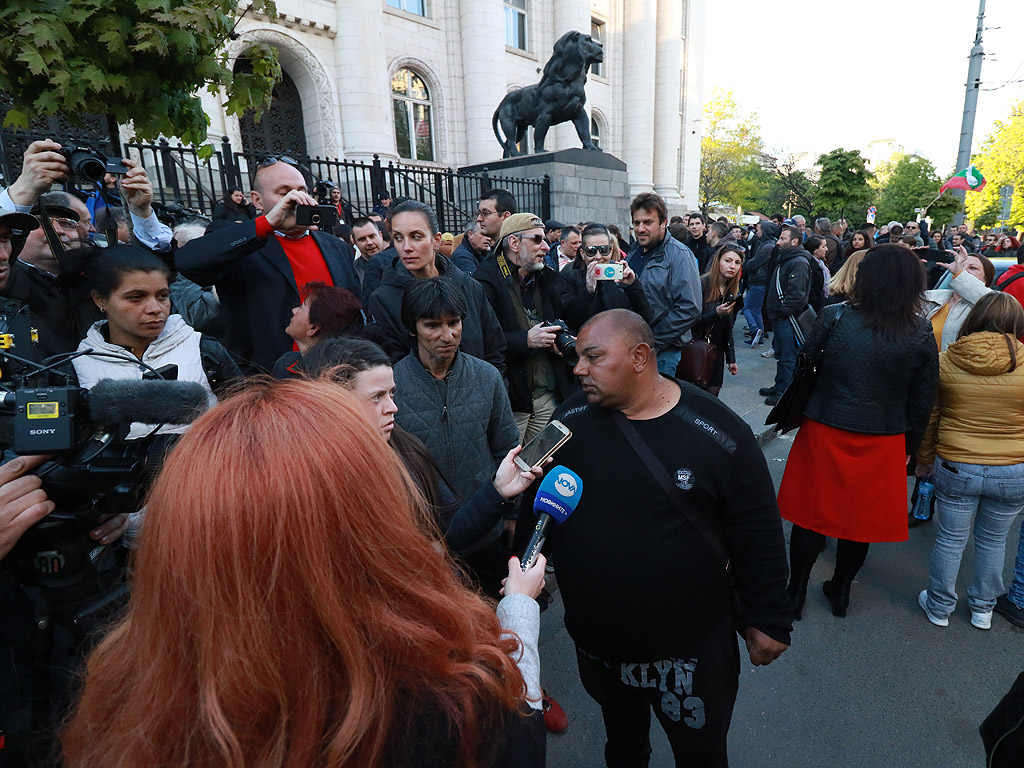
x=659, y=473
x=1004, y=286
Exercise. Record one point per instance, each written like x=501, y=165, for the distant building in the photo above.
x=880, y=151
x=418, y=80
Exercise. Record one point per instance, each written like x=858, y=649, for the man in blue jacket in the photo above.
x=667, y=270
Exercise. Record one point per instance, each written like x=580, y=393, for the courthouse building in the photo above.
x=418, y=81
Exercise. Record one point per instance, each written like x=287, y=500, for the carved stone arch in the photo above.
x=319, y=97
x=438, y=103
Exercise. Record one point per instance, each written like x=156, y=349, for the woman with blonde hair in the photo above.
x=840, y=287
x=974, y=449
x=288, y=611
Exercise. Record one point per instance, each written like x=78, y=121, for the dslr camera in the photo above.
x=565, y=342
x=90, y=164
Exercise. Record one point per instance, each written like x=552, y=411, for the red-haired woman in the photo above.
x=326, y=311
x=303, y=619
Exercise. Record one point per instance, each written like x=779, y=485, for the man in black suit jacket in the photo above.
x=254, y=266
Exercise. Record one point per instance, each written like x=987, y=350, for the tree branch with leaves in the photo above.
x=139, y=61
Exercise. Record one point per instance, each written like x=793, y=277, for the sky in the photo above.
x=864, y=70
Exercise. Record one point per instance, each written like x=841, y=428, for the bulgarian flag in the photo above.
x=970, y=179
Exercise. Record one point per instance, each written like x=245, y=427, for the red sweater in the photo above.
x=303, y=254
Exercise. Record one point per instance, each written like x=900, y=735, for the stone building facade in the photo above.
x=418, y=81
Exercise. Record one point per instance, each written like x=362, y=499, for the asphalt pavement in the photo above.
x=882, y=687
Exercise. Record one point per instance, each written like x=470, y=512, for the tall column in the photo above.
x=567, y=15
x=668, y=65
x=638, y=92
x=364, y=91
x=483, y=74
x=693, y=103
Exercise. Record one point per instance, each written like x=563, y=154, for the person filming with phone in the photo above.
x=720, y=288
x=644, y=562
x=598, y=280
x=257, y=266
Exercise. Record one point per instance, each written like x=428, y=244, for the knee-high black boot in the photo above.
x=849, y=558
x=804, y=546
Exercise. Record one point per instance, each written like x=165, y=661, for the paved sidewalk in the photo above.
x=739, y=392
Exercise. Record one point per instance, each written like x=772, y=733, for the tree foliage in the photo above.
x=141, y=61
x=844, y=189
x=1001, y=162
x=728, y=144
x=908, y=182
x=779, y=186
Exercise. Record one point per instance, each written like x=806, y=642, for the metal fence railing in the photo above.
x=182, y=178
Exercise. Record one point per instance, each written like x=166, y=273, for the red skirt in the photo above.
x=846, y=485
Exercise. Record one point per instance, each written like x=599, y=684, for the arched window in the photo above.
x=414, y=129
x=595, y=131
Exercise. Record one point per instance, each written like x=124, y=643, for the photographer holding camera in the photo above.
x=258, y=265
x=523, y=292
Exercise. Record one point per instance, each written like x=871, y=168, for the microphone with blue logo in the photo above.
x=559, y=493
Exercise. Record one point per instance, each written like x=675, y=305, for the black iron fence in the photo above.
x=180, y=176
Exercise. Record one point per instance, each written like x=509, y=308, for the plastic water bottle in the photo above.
x=922, y=509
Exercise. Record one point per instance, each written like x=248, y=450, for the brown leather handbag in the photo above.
x=697, y=360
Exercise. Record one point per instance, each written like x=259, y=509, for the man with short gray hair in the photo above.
x=473, y=248
x=823, y=229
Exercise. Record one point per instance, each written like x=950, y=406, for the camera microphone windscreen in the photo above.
x=559, y=493
x=124, y=401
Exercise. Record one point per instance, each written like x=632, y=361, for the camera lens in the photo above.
x=87, y=164
x=315, y=218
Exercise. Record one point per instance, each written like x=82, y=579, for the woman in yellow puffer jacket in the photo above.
x=975, y=445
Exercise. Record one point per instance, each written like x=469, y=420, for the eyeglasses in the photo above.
x=484, y=213
x=271, y=159
x=593, y=250
x=538, y=239
x=64, y=223
x=734, y=248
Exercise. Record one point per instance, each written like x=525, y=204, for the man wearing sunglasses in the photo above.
x=523, y=292
x=258, y=265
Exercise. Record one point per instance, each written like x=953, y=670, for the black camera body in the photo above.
x=565, y=342
x=44, y=419
x=90, y=164
x=323, y=216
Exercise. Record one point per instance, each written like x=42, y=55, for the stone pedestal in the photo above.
x=585, y=185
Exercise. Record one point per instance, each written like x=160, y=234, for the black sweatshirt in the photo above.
x=639, y=582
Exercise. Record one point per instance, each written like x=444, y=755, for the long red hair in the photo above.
x=287, y=610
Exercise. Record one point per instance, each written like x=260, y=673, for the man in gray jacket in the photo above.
x=667, y=270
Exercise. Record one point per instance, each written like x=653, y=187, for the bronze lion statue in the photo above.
x=558, y=97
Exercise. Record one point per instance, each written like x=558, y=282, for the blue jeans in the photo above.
x=668, y=361
x=784, y=344
x=987, y=499
x=1016, y=591
x=752, y=308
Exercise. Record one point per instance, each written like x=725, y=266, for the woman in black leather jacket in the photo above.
x=846, y=473
x=720, y=287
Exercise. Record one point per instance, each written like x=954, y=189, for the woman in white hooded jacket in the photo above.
x=130, y=285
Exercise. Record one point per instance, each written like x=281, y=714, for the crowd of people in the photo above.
x=320, y=564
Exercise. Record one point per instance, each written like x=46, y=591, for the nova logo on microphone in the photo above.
x=559, y=493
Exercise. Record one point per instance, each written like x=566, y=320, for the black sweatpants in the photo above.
x=692, y=695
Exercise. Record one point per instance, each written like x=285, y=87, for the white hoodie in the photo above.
x=177, y=344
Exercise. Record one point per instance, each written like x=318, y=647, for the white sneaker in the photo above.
x=768, y=353
x=922, y=600
x=981, y=620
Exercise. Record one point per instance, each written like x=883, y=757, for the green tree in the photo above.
x=909, y=182
x=844, y=189
x=1001, y=162
x=778, y=186
x=140, y=61
x=728, y=143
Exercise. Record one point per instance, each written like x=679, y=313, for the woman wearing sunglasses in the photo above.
x=581, y=291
